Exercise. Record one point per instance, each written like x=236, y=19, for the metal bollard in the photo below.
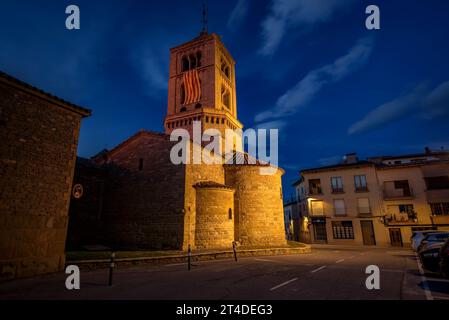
x=189, y=254
x=234, y=248
x=111, y=267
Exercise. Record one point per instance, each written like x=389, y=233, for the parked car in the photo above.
x=433, y=237
x=430, y=256
x=444, y=259
x=418, y=236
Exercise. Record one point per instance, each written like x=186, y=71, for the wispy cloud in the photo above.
x=288, y=14
x=276, y=124
x=238, y=14
x=418, y=102
x=298, y=97
x=152, y=67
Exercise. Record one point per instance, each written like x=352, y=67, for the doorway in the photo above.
x=319, y=231
x=369, y=238
x=396, y=237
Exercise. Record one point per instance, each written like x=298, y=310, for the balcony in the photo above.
x=314, y=192
x=337, y=190
x=398, y=194
x=361, y=189
x=401, y=218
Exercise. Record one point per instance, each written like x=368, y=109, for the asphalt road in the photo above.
x=332, y=273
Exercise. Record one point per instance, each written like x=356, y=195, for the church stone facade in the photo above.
x=138, y=199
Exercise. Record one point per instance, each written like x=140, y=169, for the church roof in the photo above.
x=10, y=80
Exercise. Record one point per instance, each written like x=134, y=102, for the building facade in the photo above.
x=39, y=138
x=375, y=202
x=140, y=199
x=292, y=219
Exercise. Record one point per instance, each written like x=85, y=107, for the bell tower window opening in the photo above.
x=191, y=62
x=225, y=97
x=225, y=68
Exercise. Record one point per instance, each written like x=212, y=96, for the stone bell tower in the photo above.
x=201, y=86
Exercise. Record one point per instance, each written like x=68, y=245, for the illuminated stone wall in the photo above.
x=39, y=138
x=214, y=216
x=259, y=216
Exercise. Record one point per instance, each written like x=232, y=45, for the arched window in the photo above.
x=185, y=64
x=225, y=68
x=198, y=59
x=225, y=97
x=192, y=59
x=230, y=214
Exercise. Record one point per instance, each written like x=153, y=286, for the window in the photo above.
x=337, y=184
x=363, y=205
x=342, y=230
x=408, y=209
x=225, y=97
x=339, y=206
x=191, y=62
x=183, y=109
x=435, y=183
x=225, y=69
x=140, y=164
x=403, y=184
x=198, y=105
x=440, y=209
x=360, y=183
x=230, y=214
x=315, y=186
x=317, y=207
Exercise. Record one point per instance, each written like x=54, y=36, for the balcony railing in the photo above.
x=361, y=189
x=392, y=194
x=315, y=191
x=337, y=190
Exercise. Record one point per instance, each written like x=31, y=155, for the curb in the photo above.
x=219, y=255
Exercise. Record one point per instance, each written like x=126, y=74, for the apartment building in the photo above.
x=379, y=201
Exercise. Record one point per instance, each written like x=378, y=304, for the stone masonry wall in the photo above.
x=214, y=227
x=196, y=173
x=259, y=217
x=143, y=209
x=38, y=143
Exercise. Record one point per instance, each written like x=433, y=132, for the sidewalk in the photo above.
x=357, y=247
x=93, y=264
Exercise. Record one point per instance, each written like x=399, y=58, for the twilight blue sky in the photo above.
x=307, y=67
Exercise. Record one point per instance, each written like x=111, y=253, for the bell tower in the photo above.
x=201, y=86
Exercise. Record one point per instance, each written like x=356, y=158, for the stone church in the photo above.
x=133, y=196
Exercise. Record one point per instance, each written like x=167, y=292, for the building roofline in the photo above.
x=18, y=84
x=343, y=166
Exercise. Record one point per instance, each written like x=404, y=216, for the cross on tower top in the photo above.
x=204, y=20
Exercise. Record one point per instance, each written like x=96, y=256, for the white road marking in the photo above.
x=424, y=280
x=266, y=260
x=351, y=257
x=318, y=269
x=442, y=298
x=336, y=250
x=341, y=260
x=283, y=284
x=174, y=264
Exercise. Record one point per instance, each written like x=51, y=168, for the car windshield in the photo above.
x=438, y=237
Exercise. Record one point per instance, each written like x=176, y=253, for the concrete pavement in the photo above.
x=326, y=273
